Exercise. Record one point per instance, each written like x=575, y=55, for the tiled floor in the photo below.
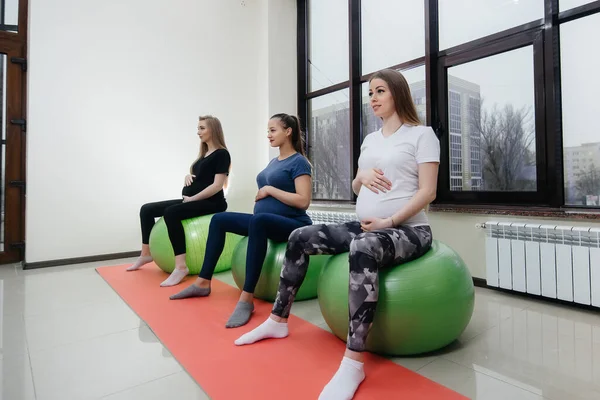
x=64, y=334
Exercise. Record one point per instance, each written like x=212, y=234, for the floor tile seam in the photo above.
x=36, y=353
x=138, y=385
x=500, y=380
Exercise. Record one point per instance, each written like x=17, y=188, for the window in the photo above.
x=498, y=133
x=464, y=20
x=381, y=28
x=580, y=88
x=329, y=146
x=9, y=15
x=508, y=86
x=327, y=55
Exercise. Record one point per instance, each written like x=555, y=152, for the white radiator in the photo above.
x=331, y=217
x=560, y=262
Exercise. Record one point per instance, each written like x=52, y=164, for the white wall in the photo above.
x=115, y=89
x=283, y=67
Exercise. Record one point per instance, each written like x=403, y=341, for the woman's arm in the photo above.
x=372, y=179
x=428, y=174
x=211, y=190
x=357, y=182
x=301, y=199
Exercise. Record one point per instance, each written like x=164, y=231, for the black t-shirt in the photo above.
x=205, y=169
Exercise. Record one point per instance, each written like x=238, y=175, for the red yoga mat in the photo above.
x=297, y=367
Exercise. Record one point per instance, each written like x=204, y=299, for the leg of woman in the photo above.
x=220, y=224
x=302, y=243
x=369, y=252
x=147, y=214
x=262, y=227
x=174, y=216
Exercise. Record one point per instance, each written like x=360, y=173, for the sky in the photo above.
x=393, y=32
x=11, y=12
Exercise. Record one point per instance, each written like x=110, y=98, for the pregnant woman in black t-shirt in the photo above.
x=202, y=195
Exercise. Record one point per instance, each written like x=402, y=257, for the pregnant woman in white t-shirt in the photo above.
x=396, y=180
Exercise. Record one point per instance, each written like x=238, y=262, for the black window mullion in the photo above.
x=436, y=89
x=545, y=181
x=499, y=47
x=440, y=101
x=355, y=83
x=302, y=64
x=553, y=105
x=486, y=41
x=577, y=12
x=431, y=62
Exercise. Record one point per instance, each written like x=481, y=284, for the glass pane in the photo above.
x=9, y=15
x=464, y=20
x=329, y=146
x=564, y=5
x=385, y=42
x=327, y=43
x=416, y=80
x=2, y=145
x=580, y=88
x=492, y=123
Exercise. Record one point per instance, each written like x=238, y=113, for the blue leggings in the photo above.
x=258, y=228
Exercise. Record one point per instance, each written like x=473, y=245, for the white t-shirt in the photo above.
x=398, y=155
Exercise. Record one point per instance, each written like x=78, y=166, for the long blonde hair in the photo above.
x=217, y=137
x=405, y=107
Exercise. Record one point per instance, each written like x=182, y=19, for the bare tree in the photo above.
x=588, y=182
x=330, y=153
x=507, y=136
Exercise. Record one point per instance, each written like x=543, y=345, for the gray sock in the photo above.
x=191, y=291
x=241, y=315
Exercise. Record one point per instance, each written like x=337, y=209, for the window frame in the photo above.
x=542, y=34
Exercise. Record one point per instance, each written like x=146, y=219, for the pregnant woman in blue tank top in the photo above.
x=284, y=194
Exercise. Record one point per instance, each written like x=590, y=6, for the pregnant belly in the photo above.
x=381, y=205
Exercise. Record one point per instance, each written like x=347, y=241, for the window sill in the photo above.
x=540, y=212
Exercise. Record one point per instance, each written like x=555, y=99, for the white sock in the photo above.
x=346, y=380
x=176, y=276
x=141, y=261
x=270, y=329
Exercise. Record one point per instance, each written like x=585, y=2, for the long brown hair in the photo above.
x=405, y=107
x=291, y=121
x=217, y=137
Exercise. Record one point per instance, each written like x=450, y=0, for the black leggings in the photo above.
x=258, y=228
x=175, y=211
x=369, y=252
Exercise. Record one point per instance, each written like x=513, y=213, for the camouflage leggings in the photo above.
x=369, y=251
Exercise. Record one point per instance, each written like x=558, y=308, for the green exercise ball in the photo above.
x=268, y=283
x=196, y=233
x=424, y=304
